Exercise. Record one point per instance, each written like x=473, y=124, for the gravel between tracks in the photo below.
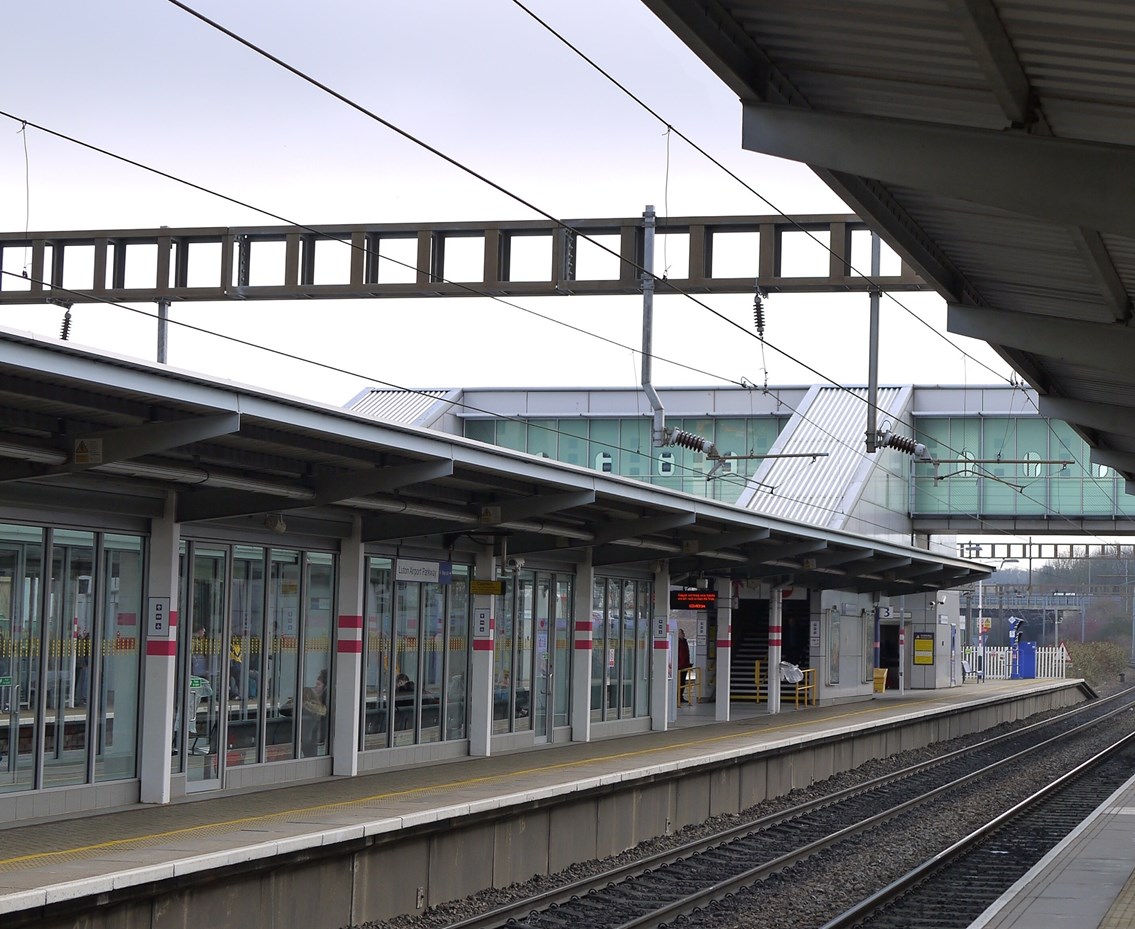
x=814, y=891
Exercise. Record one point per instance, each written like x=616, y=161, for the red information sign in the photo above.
x=692, y=599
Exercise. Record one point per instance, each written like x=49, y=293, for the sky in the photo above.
x=485, y=84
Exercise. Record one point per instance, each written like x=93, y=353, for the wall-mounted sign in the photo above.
x=487, y=588
x=692, y=599
x=158, y=619
x=924, y=648
x=424, y=572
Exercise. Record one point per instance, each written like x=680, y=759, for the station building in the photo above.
x=209, y=587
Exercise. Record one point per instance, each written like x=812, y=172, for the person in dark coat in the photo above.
x=684, y=664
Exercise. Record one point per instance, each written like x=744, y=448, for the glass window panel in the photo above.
x=627, y=649
x=319, y=597
x=208, y=677
x=634, y=438
x=483, y=430
x=71, y=621
x=245, y=661
x=512, y=434
x=544, y=666
x=379, y=681
x=522, y=669
x=282, y=652
x=503, y=644
x=21, y=559
x=573, y=443
x=543, y=438
x=643, y=649
x=457, y=654
x=407, y=605
x=563, y=608
x=117, y=682
x=612, y=659
x=598, y=646
x=605, y=446
x=433, y=661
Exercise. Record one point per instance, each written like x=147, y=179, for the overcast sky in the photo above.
x=482, y=82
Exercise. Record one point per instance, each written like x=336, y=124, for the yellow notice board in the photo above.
x=924, y=648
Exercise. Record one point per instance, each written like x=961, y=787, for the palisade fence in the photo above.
x=1052, y=661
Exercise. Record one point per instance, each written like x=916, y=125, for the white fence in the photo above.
x=998, y=663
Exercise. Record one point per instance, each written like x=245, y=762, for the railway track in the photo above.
x=952, y=889
x=686, y=881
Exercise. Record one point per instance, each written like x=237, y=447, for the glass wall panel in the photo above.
x=71, y=620
x=282, y=651
x=512, y=434
x=598, y=647
x=483, y=430
x=563, y=615
x=246, y=660
x=612, y=660
x=208, y=682
x=573, y=441
x=457, y=654
x=643, y=648
x=522, y=666
x=319, y=600
x=433, y=661
x=627, y=648
x=379, y=681
x=503, y=643
x=21, y=596
x=407, y=654
x=543, y=439
x=543, y=676
x=116, y=659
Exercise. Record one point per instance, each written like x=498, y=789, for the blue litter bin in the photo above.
x=1026, y=660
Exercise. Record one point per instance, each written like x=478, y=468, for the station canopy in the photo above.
x=121, y=442
x=991, y=143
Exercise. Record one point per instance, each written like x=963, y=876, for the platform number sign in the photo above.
x=157, y=613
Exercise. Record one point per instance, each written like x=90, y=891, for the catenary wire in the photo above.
x=496, y=186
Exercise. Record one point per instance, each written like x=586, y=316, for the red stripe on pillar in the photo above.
x=582, y=625
x=349, y=646
x=724, y=643
x=482, y=645
x=661, y=644
x=350, y=622
x=583, y=645
x=161, y=648
x=173, y=617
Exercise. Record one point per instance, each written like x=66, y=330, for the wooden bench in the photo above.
x=880, y=680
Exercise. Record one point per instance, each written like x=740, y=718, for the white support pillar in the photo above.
x=481, y=681
x=581, y=653
x=160, y=674
x=663, y=686
x=775, y=628
x=723, y=658
x=346, y=692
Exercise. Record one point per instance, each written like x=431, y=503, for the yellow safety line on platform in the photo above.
x=152, y=838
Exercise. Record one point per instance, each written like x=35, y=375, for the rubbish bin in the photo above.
x=1026, y=660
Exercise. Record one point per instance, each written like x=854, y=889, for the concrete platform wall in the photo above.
x=401, y=873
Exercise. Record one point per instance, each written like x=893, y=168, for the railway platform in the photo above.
x=1086, y=882
x=341, y=851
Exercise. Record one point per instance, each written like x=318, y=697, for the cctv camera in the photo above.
x=514, y=564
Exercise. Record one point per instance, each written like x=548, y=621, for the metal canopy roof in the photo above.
x=127, y=438
x=991, y=142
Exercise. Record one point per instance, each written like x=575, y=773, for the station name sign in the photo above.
x=692, y=599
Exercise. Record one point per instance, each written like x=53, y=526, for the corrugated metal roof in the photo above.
x=822, y=491
x=408, y=407
x=1012, y=193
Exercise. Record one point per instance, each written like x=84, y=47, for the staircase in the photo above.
x=745, y=655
